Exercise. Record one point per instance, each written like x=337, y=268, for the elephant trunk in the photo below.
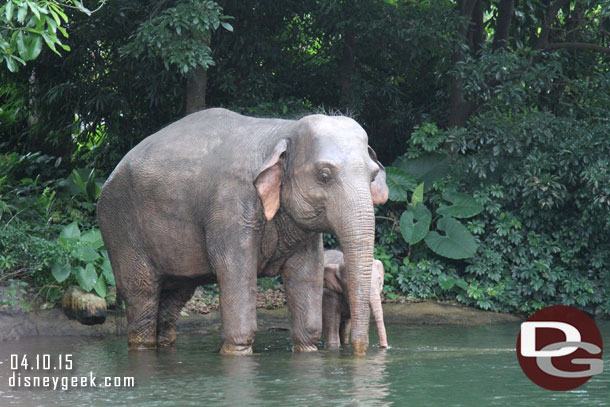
x=355, y=228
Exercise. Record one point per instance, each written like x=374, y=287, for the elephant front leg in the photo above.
x=233, y=256
x=303, y=276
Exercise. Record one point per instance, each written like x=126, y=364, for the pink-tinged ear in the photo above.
x=331, y=278
x=269, y=180
x=379, y=188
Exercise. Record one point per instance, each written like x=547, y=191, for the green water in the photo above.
x=425, y=366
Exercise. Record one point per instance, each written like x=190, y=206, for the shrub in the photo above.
x=543, y=235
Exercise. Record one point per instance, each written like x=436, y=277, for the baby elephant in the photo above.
x=335, y=304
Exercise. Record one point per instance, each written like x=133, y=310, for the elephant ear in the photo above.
x=331, y=278
x=269, y=180
x=379, y=188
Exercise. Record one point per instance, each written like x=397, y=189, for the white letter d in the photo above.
x=528, y=338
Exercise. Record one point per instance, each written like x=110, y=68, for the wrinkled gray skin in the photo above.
x=335, y=305
x=222, y=197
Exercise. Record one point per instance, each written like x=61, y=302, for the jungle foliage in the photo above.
x=491, y=115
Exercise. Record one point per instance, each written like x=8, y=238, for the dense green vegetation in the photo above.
x=491, y=115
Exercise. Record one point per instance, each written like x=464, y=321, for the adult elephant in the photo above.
x=218, y=196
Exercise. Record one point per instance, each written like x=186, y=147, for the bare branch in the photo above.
x=578, y=45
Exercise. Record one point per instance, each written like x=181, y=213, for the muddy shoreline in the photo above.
x=15, y=324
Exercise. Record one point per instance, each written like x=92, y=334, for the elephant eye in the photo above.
x=324, y=175
x=374, y=174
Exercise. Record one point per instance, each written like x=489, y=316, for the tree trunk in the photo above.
x=506, y=9
x=549, y=17
x=346, y=70
x=477, y=30
x=196, y=85
x=461, y=109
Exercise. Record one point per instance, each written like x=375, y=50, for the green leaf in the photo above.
x=86, y=277
x=107, y=269
x=54, y=294
x=35, y=47
x=21, y=13
x=457, y=243
x=399, y=182
x=85, y=253
x=76, y=178
x=93, y=190
x=60, y=12
x=55, y=16
x=418, y=195
x=93, y=238
x=23, y=50
x=60, y=272
x=70, y=233
x=8, y=12
x=464, y=205
x=426, y=168
x=227, y=26
x=52, y=24
x=446, y=282
x=462, y=284
x=34, y=9
x=415, y=223
x=100, y=286
x=50, y=40
x=11, y=64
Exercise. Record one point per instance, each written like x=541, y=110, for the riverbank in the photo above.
x=15, y=323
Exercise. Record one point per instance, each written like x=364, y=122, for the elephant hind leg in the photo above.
x=171, y=303
x=140, y=290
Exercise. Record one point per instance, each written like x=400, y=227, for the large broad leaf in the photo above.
x=93, y=238
x=427, y=168
x=93, y=189
x=85, y=253
x=70, y=233
x=107, y=269
x=77, y=179
x=415, y=223
x=60, y=271
x=418, y=195
x=86, y=277
x=457, y=243
x=100, y=286
x=399, y=182
x=464, y=205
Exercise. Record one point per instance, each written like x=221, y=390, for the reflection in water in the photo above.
x=431, y=366
x=240, y=387
x=307, y=378
x=369, y=379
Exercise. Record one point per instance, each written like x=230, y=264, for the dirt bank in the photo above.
x=16, y=324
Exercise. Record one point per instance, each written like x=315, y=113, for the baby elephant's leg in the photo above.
x=331, y=318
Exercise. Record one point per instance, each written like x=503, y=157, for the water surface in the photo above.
x=425, y=366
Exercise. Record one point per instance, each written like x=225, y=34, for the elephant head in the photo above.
x=327, y=179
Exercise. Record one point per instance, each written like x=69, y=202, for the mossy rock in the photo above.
x=86, y=308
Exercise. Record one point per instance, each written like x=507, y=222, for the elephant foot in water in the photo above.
x=230, y=349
